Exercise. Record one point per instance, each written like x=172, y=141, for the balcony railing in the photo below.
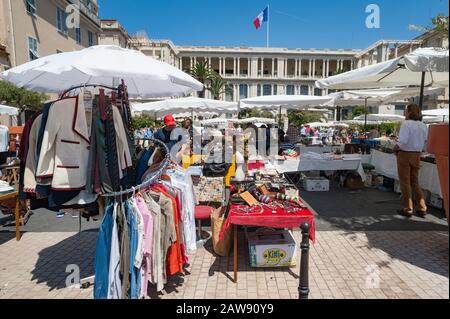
x=85, y=10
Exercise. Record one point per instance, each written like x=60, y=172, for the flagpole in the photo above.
x=268, y=24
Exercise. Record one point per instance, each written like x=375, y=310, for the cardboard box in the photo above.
x=315, y=184
x=276, y=248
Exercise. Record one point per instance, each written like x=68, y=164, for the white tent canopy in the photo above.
x=188, y=104
x=218, y=121
x=318, y=124
x=103, y=65
x=376, y=97
x=381, y=117
x=402, y=71
x=293, y=102
x=8, y=110
x=257, y=120
x=437, y=112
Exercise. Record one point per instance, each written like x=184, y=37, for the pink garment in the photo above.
x=148, y=240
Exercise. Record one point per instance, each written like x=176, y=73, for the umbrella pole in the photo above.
x=422, y=85
x=365, y=115
x=279, y=118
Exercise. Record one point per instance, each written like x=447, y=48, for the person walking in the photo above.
x=411, y=143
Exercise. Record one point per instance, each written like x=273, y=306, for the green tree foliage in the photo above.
x=388, y=127
x=21, y=98
x=357, y=111
x=297, y=119
x=202, y=72
x=217, y=86
x=144, y=121
x=247, y=113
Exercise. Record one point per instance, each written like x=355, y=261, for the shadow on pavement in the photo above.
x=428, y=251
x=52, y=264
x=367, y=210
x=6, y=236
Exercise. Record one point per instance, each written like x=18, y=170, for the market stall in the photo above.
x=386, y=165
x=322, y=162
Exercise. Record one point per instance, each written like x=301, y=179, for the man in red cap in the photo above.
x=165, y=134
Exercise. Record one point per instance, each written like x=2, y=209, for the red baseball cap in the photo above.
x=169, y=120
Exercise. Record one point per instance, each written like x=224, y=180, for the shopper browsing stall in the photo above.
x=411, y=143
x=169, y=135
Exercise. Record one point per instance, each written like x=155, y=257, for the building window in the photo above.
x=89, y=5
x=78, y=35
x=229, y=94
x=290, y=90
x=304, y=90
x=33, y=53
x=90, y=39
x=275, y=89
x=317, y=92
x=258, y=93
x=61, y=18
x=243, y=91
x=31, y=6
x=267, y=89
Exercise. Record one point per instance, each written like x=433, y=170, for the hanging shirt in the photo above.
x=155, y=272
x=180, y=179
x=114, y=282
x=4, y=138
x=147, y=242
x=102, y=255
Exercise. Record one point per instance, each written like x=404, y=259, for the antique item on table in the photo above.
x=210, y=189
x=240, y=174
x=249, y=199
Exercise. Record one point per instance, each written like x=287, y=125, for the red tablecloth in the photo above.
x=281, y=219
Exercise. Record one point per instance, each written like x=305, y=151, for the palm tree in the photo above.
x=217, y=86
x=201, y=71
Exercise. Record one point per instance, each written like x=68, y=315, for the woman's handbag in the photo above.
x=216, y=169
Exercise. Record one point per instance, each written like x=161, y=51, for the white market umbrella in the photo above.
x=425, y=67
x=189, y=104
x=377, y=97
x=438, y=115
x=318, y=124
x=8, y=110
x=257, y=120
x=402, y=71
x=103, y=65
x=339, y=124
x=293, y=102
x=437, y=112
x=218, y=121
x=380, y=118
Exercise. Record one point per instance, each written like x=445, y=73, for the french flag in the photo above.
x=262, y=17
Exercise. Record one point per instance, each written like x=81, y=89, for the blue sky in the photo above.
x=293, y=23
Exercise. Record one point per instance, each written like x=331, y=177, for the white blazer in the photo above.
x=65, y=145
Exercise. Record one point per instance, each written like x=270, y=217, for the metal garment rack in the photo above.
x=151, y=180
x=87, y=282
x=87, y=85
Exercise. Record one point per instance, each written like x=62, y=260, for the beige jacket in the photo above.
x=29, y=176
x=65, y=146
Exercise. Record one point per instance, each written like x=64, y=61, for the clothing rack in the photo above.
x=87, y=85
x=151, y=180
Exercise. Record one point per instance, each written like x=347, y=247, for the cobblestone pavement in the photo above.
x=374, y=264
